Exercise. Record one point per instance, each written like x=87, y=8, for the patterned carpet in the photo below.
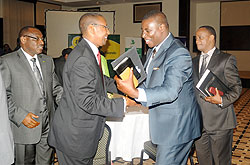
x=241, y=138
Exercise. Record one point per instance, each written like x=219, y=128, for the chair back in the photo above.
x=102, y=156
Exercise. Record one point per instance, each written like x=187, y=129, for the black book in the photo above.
x=208, y=82
x=123, y=64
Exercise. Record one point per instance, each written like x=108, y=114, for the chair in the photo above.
x=103, y=156
x=150, y=149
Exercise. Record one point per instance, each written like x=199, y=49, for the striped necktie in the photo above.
x=204, y=64
x=38, y=75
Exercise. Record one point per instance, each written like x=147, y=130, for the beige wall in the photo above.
x=124, y=18
x=204, y=14
x=1, y=8
x=237, y=14
x=16, y=14
x=40, y=11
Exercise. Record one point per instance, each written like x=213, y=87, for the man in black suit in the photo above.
x=59, y=63
x=31, y=86
x=219, y=120
x=79, y=120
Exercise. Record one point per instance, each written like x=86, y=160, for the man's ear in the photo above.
x=211, y=37
x=23, y=39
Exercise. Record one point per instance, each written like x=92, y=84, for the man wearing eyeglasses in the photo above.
x=79, y=120
x=31, y=86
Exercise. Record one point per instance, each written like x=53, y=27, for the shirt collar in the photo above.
x=28, y=56
x=158, y=46
x=92, y=46
x=210, y=52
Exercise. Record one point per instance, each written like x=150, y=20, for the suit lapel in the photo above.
x=28, y=69
x=159, y=57
x=214, y=61
x=84, y=44
x=43, y=70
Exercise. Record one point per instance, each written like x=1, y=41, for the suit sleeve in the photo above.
x=234, y=83
x=177, y=70
x=16, y=114
x=110, y=84
x=88, y=90
x=57, y=88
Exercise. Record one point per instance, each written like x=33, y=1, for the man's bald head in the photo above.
x=88, y=19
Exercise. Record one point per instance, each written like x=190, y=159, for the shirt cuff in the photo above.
x=142, y=95
x=221, y=102
x=124, y=107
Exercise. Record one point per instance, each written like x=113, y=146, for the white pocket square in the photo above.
x=156, y=68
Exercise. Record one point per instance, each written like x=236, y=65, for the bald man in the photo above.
x=79, y=120
x=168, y=92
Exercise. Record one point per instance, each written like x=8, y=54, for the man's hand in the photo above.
x=29, y=122
x=216, y=99
x=130, y=102
x=127, y=86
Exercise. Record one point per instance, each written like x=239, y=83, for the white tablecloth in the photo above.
x=128, y=135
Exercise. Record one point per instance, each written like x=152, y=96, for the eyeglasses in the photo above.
x=106, y=27
x=35, y=38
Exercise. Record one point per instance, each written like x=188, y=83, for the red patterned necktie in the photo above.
x=100, y=63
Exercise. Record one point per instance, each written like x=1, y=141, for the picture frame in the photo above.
x=139, y=10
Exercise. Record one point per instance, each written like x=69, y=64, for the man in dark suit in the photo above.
x=31, y=86
x=215, y=144
x=79, y=120
x=59, y=63
x=174, y=118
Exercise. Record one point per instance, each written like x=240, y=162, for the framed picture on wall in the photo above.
x=89, y=9
x=139, y=10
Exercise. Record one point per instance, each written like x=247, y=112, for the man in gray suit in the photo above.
x=79, y=120
x=31, y=86
x=174, y=118
x=215, y=144
x=6, y=138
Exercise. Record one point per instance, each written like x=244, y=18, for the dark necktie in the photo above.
x=37, y=75
x=154, y=52
x=204, y=64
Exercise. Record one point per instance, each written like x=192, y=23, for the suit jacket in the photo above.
x=6, y=138
x=79, y=120
x=224, y=66
x=174, y=116
x=59, y=64
x=24, y=94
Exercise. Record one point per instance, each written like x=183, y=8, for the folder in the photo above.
x=123, y=64
x=208, y=82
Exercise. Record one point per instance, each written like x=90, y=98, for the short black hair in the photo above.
x=153, y=13
x=66, y=51
x=210, y=29
x=25, y=29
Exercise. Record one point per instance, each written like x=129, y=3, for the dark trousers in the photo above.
x=214, y=147
x=174, y=155
x=64, y=159
x=39, y=153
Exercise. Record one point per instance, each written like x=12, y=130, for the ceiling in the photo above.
x=76, y=3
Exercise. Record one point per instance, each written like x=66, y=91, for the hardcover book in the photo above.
x=125, y=62
x=208, y=82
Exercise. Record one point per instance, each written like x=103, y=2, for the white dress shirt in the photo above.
x=29, y=57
